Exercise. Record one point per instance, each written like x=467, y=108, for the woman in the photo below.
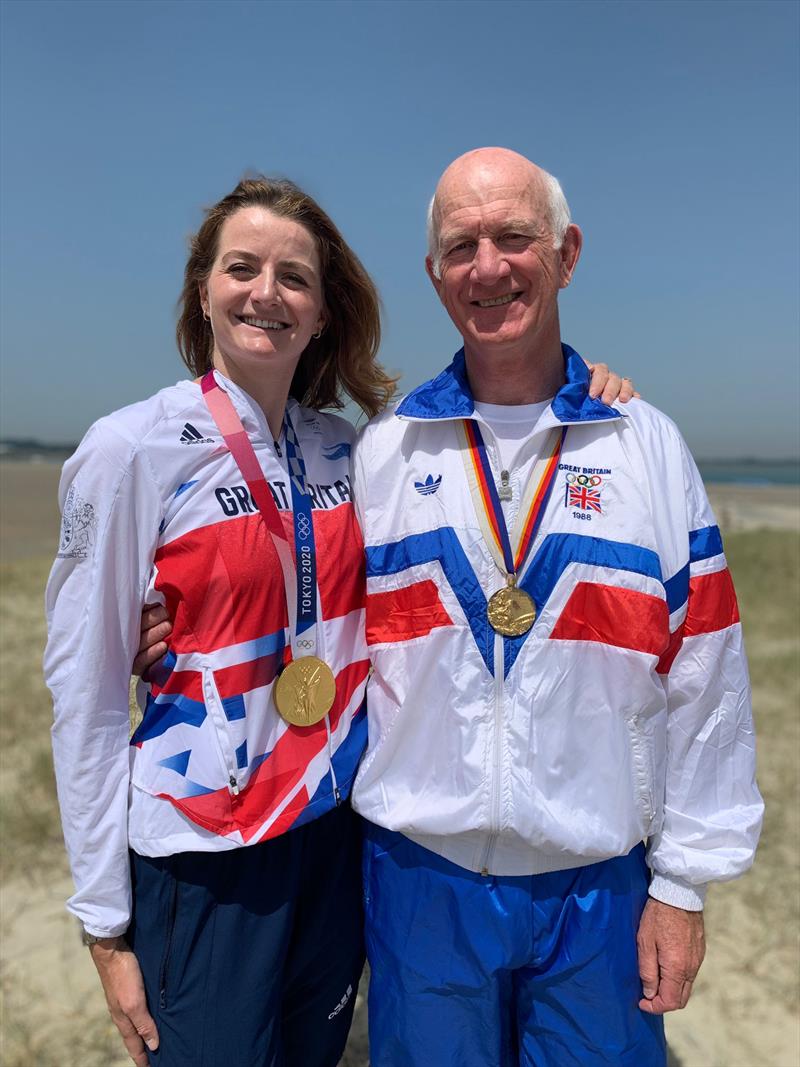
x=243, y=940
x=248, y=955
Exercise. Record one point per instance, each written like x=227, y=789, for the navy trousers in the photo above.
x=251, y=957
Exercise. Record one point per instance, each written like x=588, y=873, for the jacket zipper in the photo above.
x=497, y=757
x=505, y=493
x=336, y=793
x=215, y=709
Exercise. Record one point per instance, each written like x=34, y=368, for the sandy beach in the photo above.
x=743, y=1011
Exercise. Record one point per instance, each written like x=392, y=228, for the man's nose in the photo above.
x=489, y=264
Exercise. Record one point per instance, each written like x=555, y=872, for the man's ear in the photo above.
x=436, y=282
x=570, y=253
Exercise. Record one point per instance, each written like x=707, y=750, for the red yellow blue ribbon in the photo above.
x=487, y=502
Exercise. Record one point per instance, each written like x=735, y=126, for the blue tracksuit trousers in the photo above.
x=472, y=971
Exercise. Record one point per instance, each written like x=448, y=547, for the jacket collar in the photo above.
x=448, y=396
x=253, y=418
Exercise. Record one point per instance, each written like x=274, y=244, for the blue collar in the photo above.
x=448, y=395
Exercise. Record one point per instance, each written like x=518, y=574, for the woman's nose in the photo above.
x=264, y=289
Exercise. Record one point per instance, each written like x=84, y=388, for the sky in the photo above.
x=672, y=126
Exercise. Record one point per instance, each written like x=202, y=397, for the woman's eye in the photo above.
x=240, y=268
x=295, y=279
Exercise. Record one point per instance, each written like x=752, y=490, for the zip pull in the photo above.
x=338, y=796
x=278, y=448
x=234, y=786
x=504, y=490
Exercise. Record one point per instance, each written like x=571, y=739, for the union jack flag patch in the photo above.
x=582, y=492
x=579, y=496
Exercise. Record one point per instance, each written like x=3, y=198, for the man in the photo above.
x=558, y=675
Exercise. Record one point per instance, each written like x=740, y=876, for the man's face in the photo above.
x=499, y=271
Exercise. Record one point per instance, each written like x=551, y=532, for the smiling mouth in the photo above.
x=263, y=324
x=497, y=301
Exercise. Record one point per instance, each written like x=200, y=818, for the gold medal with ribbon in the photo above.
x=305, y=689
x=511, y=611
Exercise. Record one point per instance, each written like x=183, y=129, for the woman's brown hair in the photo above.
x=340, y=362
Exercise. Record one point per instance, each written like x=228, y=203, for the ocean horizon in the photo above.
x=741, y=471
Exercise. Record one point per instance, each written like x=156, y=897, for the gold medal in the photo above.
x=511, y=611
x=304, y=691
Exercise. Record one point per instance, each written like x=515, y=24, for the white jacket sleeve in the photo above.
x=712, y=809
x=111, y=509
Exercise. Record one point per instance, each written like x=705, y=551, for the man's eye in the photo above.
x=515, y=238
x=462, y=246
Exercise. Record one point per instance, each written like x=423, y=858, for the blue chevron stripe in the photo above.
x=558, y=551
x=441, y=546
x=555, y=554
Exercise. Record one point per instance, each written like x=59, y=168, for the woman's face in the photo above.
x=264, y=293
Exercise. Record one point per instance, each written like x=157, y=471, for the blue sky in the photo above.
x=673, y=127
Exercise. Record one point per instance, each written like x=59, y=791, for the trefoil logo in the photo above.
x=429, y=486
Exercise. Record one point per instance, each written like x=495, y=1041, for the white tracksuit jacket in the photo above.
x=155, y=509
x=623, y=714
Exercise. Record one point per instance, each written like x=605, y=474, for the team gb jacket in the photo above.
x=155, y=509
x=623, y=714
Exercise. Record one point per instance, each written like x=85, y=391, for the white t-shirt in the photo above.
x=512, y=425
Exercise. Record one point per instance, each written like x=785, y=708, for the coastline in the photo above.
x=29, y=518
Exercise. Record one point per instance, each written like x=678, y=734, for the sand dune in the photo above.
x=743, y=1011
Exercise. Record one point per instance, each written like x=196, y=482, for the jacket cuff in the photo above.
x=671, y=890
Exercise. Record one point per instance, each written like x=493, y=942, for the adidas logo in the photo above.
x=342, y=1003
x=429, y=486
x=192, y=436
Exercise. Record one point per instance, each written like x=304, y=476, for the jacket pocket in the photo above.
x=216, y=713
x=643, y=769
x=169, y=935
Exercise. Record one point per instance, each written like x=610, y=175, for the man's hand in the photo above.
x=124, y=989
x=671, y=946
x=607, y=385
x=156, y=628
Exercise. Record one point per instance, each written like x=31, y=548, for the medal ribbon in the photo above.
x=487, y=502
x=300, y=578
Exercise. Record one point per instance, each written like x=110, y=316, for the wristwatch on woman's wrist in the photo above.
x=92, y=939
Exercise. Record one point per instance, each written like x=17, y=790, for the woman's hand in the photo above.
x=607, y=385
x=156, y=628
x=124, y=989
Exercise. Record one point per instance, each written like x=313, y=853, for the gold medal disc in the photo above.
x=511, y=611
x=304, y=691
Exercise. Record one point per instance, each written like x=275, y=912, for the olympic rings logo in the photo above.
x=303, y=526
x=584, y=479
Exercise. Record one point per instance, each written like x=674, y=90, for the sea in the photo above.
x=750, y=471
x=728, y=471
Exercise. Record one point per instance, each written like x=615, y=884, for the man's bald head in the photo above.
x=470, y=172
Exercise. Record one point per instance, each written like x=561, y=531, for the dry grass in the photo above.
x=748, y=988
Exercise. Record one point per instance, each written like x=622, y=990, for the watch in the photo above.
x=92, y=939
